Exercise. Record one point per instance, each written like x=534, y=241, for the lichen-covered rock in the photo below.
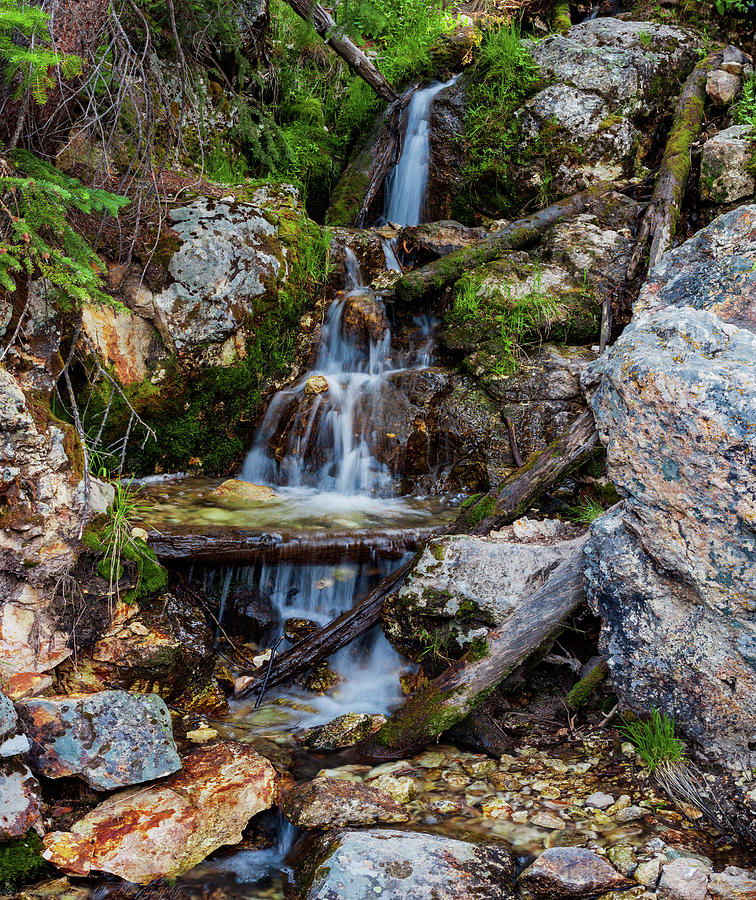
x=606, y=77
x=429, y=240
x=360, y=865
x=683, y=879
x=672, y=572
x=12, y=740
x=234, y=489
x=563, y=872
x=463, y=586
x=20, y=797
x=127, y=340
x=111, y=739
x=333, y=803
x=726, y=173
x=146, y=833
x=723, y=87
x=733, y=883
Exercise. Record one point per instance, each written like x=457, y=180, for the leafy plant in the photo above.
x=655, y=740
x=745, y=109
x=587, y=511
x=117, y=540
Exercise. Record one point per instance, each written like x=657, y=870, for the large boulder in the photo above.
x=672, y=571
x=726, y=171
x=146, y=833
x=111, y=739
x=464, y=586
x=360, y=865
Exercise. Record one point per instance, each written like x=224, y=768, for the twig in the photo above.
x=513, y=442
x=267, y=674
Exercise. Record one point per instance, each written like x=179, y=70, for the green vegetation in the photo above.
x=587, y=511
x=745, y=114
x=21, y=862
x=584, y=689
x=654, y=741
x=503, y=76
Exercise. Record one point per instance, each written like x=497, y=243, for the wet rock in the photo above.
x=364, y=319
x=401, y=787
x=229, y=256
x=322, y=678
x=333, y=803
x=463, y=586
x=725, y=166
x=20, y=798
x=670, y=571
x=683, y=879
x=433, y=239
x=647, y=872
x=562, y=872
x=344, y=731
x=146, y=833
x=248, y=612
x=599, y=800
x=733, y=884
x=446, y=162
x=111, y=739
x=360, y=865
x=244, y=491
x=296, y=630
x=316, y=384
x=723, y=87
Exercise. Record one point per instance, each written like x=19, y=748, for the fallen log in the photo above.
x=542, y=471
x=465, y=684
x=322, y=21
x=660, y=219
x=438, y=274
x=331, y=637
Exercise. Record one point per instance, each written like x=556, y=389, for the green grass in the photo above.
x=655, y=740
x=587, y=511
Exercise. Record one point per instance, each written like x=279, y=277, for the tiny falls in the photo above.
x=316, y=446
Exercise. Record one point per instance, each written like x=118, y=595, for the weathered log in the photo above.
x=438, y=274
x=541, y=472
x=458, y=690
x=660, y=219
x=322, y=21
x=331, y=637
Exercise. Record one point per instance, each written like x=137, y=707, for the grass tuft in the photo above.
x=655, y=740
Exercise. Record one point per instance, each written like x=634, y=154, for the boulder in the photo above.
x=333, y=803
x=234, y=489
x=127, y=340
x=671, y=571
x=723, y=87
x=162, y=831
x=563, y=872
x=20, y=798
x=446, y=159
x=683, y=879
x=429, y=240
x=344, y=731
x=363, y=319
x=111, y=739
x=413, y=865
x=463, y=586
x=726, y=174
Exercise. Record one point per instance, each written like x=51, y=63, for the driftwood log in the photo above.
x=539, y=474
x=465, y=684
x=441, y=272
x=322, y=21
x=659, y=222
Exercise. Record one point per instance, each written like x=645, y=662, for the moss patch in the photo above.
x=21, y=862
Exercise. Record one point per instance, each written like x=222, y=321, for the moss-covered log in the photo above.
x=582, y=692
x=521, y=233
x=561, y=22
x=459, y=690
x=542, y=471
x=659, y=222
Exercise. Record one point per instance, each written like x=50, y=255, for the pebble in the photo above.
x=479, y=766
x=599, y=800
x=622, y=857
x=402, y=789
x=455, y=779
x=497, y=808
x=629, y=814
x=545, y=819
x=647, y=873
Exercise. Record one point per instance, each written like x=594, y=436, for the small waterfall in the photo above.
x=405, y=186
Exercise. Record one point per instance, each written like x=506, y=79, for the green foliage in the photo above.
x=732, y=7
x=503, y=77
x=21, y=861
x=586, y=687
x=745, y=108
x=586, y=511
x=654, y=741
x=36, y=237
x=26, y=53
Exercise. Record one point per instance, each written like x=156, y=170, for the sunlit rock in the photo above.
x=334, y=803
x=245, y=491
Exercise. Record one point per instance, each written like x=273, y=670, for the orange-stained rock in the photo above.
x=146, y=833
x=235, y=489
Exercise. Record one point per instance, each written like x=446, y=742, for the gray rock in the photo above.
x=723, y=87
x=110, y=739
x=11, y=742
x=725, y=166
x=599, y=800
x=562, y=872
x=733, y=60
x=733, y=884
x=19, y=799
x=362, y=865
x=672, y=571
x=683, y=879
x=463, y=586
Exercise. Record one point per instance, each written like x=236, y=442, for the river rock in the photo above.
x=229, y=256
x=20, y=797
x=244, y=491
x=344, y=731
x=333, y=803
x=683, y=879
x=162, y=831
x=363, y=319
x=562, y=872
x=248, y=612
x=733, y=884
x=726, y=175
x=361, y=865
x=463, y=586
x=111, y=739
x=671, y=571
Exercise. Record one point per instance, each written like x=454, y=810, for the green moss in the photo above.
x=582, y=692
x=151, y=577
x=478, y=649
x=484, y=508
x=468, y=502
x=560, y=18
x=437, y=549
x=21, y=862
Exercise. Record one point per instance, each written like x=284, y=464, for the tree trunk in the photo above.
x=441, y=272
x=541, y=472
x=663, y=212
x=458, y=690
x=322, y=21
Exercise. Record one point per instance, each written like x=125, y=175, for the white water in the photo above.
x=406, y=185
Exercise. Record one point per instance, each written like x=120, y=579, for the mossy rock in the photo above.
x=21, y=862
